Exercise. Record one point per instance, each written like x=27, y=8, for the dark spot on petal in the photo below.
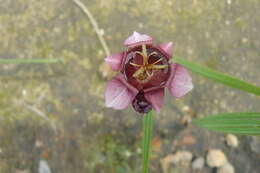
x=140, y=104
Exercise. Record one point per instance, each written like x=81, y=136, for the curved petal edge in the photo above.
x=115, y=61
x=156, y=98
x=137, y=39
x=180, y=81
x=167, y=48
x=117, y=94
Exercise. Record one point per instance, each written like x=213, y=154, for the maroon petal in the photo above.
x=117, y=94
x=167, y=48
x=156, y=98
x=114, y=61
x=137, y=39
x=180, y=82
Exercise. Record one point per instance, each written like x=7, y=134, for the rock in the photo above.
x=186, y=119
x=180, y=158
x=166, y=161
x=254, y=144
x=187, y=140
x=39, y=144
x=231, y=140
x=216, y=158
x=227, y=168
x=198, y=163
x=44, y=167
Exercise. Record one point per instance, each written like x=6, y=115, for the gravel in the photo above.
x=216, y=158
x=232, y=140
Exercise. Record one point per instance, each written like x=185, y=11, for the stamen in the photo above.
x=157, y=61
x=146, y=70
x=148, y=73
x=138, y=72
x=140, y=53
x=143, y=54
x=153, y=53
x=157, y=67
x=136, y=65
x=144, y=51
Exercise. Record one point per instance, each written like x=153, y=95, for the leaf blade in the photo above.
x=245, y=123
x=28, y=61
x=218, y=77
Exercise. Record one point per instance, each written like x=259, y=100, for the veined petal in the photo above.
x=167, y=48
x=180, y=82
x=137, y=39
x=117, y=94
x=115, y=61
x=156, y=98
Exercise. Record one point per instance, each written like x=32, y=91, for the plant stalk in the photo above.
x=147, y=138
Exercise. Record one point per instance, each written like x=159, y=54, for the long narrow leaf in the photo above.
x=28, y=61
x=219, y=77
x=246, y=123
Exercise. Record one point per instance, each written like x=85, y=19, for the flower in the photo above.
x=144, y=72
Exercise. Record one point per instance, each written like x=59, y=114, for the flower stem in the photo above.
x=147, y=137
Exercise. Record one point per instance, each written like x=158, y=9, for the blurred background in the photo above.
x=53, y=118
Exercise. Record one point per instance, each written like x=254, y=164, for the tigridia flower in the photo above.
x=144, y=72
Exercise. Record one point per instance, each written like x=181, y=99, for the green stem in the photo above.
x=147, y=138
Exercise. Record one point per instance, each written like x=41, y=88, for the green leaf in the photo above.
x=218, y=77
x=28, y=61
x=246, y=123
x=147, y=138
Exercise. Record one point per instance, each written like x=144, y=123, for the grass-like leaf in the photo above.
x=218, y=77
x=28, y=61
x=147, y=137
x=245, y=123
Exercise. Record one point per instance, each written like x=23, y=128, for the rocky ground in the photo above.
x=53, y=117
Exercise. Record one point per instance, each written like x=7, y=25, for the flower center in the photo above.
x=146, y=67
x=145, y=71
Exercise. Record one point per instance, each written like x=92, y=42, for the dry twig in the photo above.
x=42, y=115
x=94, y=24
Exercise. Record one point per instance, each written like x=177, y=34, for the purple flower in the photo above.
x=144, y=72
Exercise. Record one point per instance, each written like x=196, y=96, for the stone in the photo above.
x=182, y=157
x=44, y=167
x=166, y=162
x=255, y=144
x=216, y=158
x=186, y=119
x=227, y=168
x=231, y=140
x=198, y=163
x=187, y=140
